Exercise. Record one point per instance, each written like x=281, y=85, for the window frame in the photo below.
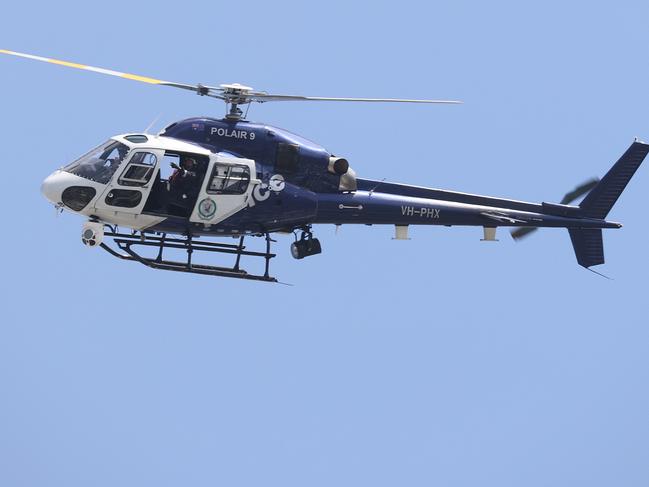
x=101, y=173
x=131, y=182
x=122, y=196
x=230, y=167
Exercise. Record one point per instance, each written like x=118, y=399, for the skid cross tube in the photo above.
x=127, y=242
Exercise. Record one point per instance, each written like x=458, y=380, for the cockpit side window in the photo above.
x=100, y=163
x=229, y=179
x=139, y=170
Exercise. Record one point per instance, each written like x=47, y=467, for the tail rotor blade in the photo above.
x=580, y=190
x=522, y=232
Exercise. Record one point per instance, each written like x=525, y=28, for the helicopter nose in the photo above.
x=53, y=186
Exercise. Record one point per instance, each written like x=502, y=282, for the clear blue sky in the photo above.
x=437, y=361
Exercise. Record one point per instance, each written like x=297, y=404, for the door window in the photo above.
x=229, y=179
x=125, y=198
x=169, y=162
x=139, y=169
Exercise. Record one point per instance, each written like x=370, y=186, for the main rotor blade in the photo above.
x=110, y=72
x=261, y=98
x=231, y=93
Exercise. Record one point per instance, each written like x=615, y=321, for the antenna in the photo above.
x=155, y=120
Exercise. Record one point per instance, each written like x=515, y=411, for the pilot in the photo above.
x=113, y=163
x=106, y=165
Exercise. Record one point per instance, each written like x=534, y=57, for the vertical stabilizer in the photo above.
x=602, y=197
x=588, y=246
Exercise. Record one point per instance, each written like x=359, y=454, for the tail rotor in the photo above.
x=522, y=232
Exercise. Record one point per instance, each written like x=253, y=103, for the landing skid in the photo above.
x=127, y=242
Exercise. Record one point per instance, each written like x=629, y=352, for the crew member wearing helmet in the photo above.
x=183, y=183
x=183, y=175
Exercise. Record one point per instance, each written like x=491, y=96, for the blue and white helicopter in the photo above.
x=237, y=178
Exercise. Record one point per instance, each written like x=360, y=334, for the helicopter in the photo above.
x=236, y=178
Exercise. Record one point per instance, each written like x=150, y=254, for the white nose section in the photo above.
x=53, y=187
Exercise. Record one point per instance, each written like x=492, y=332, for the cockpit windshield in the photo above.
x=100, y=163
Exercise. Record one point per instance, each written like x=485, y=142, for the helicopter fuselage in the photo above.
x=291, y=183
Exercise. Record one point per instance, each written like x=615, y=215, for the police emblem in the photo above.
x=206, y=208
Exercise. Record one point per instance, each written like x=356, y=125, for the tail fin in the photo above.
x=587, y=243
x=588, y=246
x=602, y=197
